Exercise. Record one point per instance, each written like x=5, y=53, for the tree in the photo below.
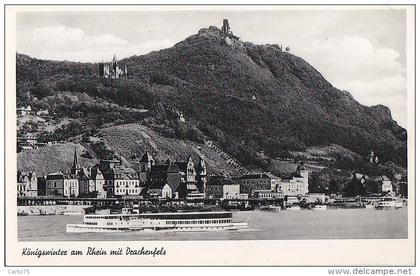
x=354, y=188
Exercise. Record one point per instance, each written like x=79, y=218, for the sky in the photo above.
x=360, y=51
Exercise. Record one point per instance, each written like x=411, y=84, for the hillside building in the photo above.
x=24, y=110
x=373, y=159
x=42, y=112
x=112, y=70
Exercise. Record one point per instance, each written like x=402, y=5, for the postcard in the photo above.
x=231, y=135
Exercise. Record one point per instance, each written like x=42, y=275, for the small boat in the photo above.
x=370, y=206
x=293, y=208
x=163, y=222
x=319, y=207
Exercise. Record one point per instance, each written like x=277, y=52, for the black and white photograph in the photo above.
x=212, y=123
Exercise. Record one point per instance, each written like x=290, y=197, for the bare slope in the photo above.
x=131, y=140
x=128, y=142
x=52, y=158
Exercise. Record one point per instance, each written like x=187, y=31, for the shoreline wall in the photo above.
x=37, y=210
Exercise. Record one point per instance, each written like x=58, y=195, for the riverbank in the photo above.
x=43, y=210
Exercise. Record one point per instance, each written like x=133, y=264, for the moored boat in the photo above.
x=191, y=222
x=389, y=203
x=73, y=213
x=319, y=207
x=271, y=208
x=293, y=208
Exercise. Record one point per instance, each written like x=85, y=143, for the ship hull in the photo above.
x=82, y=228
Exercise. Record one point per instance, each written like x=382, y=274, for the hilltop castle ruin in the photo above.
x=226, y=30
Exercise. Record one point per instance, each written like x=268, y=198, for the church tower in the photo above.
x=146, y=162
x=75, y=168
x=303, y=172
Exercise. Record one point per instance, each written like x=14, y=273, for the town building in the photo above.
x=83, y=177
x=386, y=184
x=223, y=188
x=54, y=184
x=195, y=182
x=41, y=185
x=402, y=186
x=266, y=182
x=126, y=182
x=297, y=183
x=107, y=168
x=27, y=184
x=201, y=175
x=112, y=70
x=71, y=186
x=145, y=166
x=99, y=182
x=165, y=182
x=91, y=172
x=118, y=180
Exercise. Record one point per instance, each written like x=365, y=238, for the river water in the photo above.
x=263, y=225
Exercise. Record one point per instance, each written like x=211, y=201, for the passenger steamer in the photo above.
x=190, y=222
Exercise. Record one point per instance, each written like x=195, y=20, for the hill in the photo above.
x=246, y=98
x=127, y=142
x=53, y=158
